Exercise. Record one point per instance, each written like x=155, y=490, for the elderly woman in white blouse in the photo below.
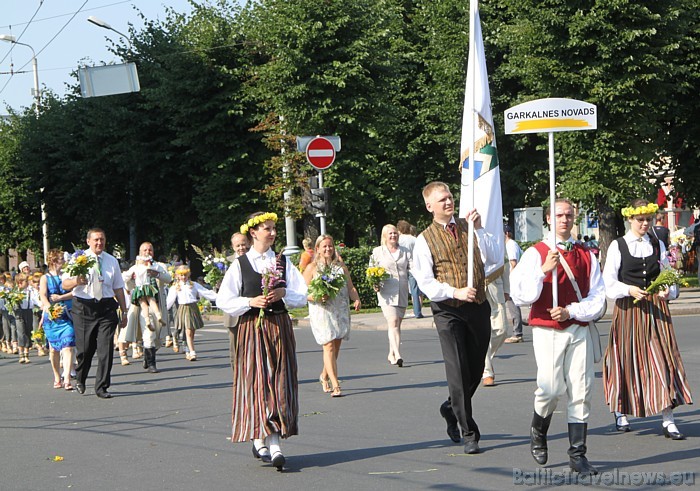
x=392, y=294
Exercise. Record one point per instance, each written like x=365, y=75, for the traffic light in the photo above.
x=319, y=199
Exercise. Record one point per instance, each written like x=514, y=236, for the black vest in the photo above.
x=252, y=285
x=639, y=271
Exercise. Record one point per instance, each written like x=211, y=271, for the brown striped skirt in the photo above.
x=188, y=317
x=642, y=370
x=265, y=388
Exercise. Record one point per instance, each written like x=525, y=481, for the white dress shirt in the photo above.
x=423, y=264
x=111, y=278
x=527, y=280
x=229, y=299
x=638, y=247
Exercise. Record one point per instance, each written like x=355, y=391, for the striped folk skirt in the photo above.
x=642, y=370
x=265, y=393
x=188, y=317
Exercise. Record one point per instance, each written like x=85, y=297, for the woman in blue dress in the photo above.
x=57, y=320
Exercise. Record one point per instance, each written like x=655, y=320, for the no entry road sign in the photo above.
x=320, y=153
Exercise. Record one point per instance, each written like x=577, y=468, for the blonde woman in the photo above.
x=330, y=317
x=392, y=294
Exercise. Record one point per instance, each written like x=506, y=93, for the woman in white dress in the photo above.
x=330, y=317
x=392, y=294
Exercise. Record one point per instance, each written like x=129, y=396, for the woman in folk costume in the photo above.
x=259, y=287
x=392, y=294
x=188, y=317
x=643, y=372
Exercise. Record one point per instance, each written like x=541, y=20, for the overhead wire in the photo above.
x=47, y=44
x=41, y=2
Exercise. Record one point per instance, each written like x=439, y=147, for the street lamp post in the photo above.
x=37, y=99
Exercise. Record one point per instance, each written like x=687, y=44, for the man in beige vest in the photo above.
x=461, y=313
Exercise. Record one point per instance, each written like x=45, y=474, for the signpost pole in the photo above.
x=322, y=216
x=553, y=217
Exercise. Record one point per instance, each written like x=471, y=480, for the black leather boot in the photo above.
x=538, y=437
x=151, y=357
x=577, y=451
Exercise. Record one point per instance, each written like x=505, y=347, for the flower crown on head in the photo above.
x=640, y=210
x=257, y=220
x=182, y=270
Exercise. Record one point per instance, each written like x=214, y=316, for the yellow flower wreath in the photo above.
x=257, y=220
x=640, y=210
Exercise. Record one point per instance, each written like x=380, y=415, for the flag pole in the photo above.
x=553, y=217
x=473, y=7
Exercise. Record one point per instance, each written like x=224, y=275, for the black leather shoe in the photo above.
x=451, y=420
x=471, y=447
x=619, y=427
x=673, y=435
x=103, y=395
x=278, y=460
x=80, y=388
x=399, y=362
x=263, y=454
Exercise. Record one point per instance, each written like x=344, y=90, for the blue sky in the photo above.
x=80, y=43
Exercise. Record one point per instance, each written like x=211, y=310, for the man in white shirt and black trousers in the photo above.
x=461, y=313
x=96, y=298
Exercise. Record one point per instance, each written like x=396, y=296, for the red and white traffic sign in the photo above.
x=320, y=153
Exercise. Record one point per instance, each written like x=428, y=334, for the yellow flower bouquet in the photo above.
x=376, y=275
x=79, y=264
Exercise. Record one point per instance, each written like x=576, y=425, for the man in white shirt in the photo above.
x=461, y=312
x=560, y=334
x=513, y=253
x=95, y=315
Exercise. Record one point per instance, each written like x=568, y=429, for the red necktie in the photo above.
x=452, y=229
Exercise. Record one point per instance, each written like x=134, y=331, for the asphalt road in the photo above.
x=172, y=430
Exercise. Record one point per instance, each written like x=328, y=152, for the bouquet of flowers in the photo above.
x=12, y=297
x=666, y=279
x=39, y=337
x=56, y=311
x=271, y=279
x=376, y=275
x=215, y=265
x=204, y=306
x=79, y=263
x=327, y=283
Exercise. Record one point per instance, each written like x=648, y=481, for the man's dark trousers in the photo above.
x=95, y=322
x=465, y=333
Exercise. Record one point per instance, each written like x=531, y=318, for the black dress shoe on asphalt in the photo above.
x=622, y=428
x=451, y=420
x=80, y=388
x=103, y=395
x=278, y=460
x=263, y=453
x=471, y=447
x=399, y=362
x=673, y=435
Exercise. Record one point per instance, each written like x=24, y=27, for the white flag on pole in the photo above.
x=487, y=177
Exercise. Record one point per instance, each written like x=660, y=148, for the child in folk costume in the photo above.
x=146, y=291
x=188, y=317
x=24, y=316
